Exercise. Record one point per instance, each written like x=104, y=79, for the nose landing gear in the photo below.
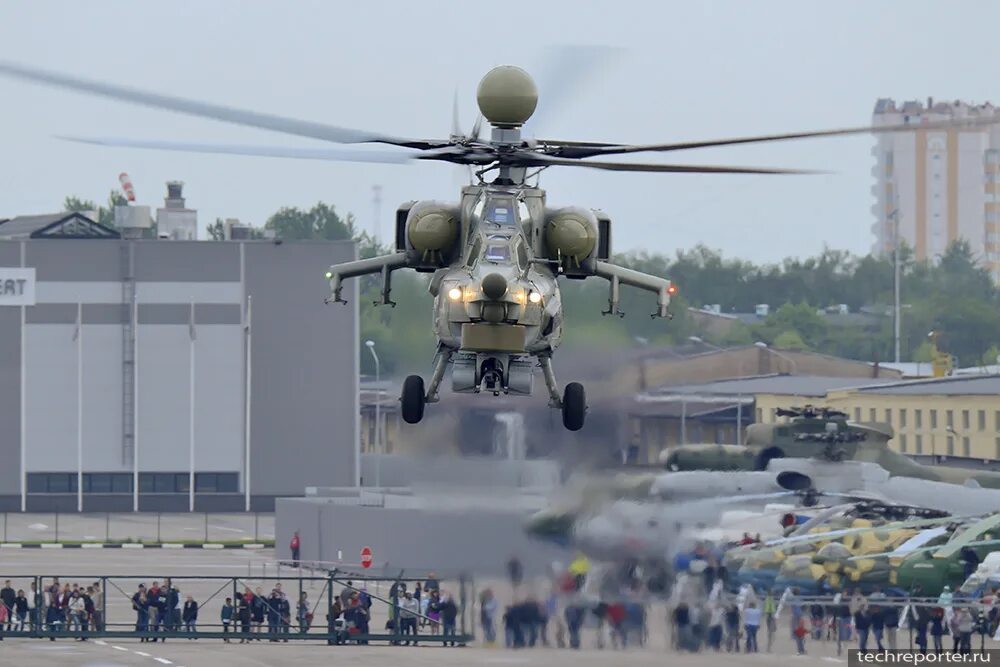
x=574, y=406
x=413, y=399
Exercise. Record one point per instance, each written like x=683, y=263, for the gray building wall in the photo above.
x=448, y=541
x=304, y=377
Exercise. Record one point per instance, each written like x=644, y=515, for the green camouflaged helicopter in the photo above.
x=822, y=433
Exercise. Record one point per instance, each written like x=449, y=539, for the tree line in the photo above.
x=953, y=296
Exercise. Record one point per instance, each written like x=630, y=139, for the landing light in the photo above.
x=455, y=293
x=329, y=275
x=534, y=297
x=672, y=289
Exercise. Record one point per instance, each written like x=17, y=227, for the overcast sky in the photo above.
x=690, y=70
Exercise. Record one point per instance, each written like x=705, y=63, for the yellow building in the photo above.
x=955, y=416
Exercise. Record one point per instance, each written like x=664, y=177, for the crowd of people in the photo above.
x=57, y=607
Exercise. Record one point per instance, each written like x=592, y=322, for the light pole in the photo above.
x=378, y=416
x=895, y=283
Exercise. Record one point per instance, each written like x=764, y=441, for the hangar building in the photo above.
x=170, y=375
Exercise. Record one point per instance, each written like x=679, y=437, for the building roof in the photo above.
x=909, y=369
x=791, y=385
x=64, y=225
x=963, y=385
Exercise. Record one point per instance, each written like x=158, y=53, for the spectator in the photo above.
x=190, y=615
x=243, y=603
x=877, y=619
x=751, y=624
x=682, y=627
x=302, y=613
x=717, y=617
x=965, y=625
x=575, y=615
x=140, y=604
x=769, y=616
x=332, y=617
x=36, y=601
x=434, y=611
x=579, y=569
x=970, y=560
x=258, y=609
x=863, y=625
x=919, y=619
x=515, y=572
x=7, y=596
x=956, y=635
x=890, y=619
x=432, y=585
x=273, y=616
x=20, y=611
x=449, y=614
x=408, y=610
x=513, y=634
x=937, y=628
x=88, y=611
x=77, y=611
x=176, y=607
x=295, y=545
x=732, y=629
x=816, y=617
x=97, y=619
x=284, y=614
x=488, y=606
x=799, y=634
x=226, y=616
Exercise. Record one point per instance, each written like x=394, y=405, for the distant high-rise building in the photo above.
x=938, y=186
x=175, y=221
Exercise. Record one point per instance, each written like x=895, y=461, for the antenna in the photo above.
x=376, y=212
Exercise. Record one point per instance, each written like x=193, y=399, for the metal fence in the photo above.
x=337, y=608
x=152, y=527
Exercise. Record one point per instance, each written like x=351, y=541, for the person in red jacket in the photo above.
x=295, y=545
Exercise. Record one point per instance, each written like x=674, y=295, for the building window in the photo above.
x=966, y=448
x=902, y=418
x=951, y=446
x=982, y=420
x=760, y=415
x=949, y=422
x=857, y=414
x=93, y=482
x=933, y=418
x=918, y=441
x=996, y=417
x=888, y=415
x=997, y=453
x=216, y=482
x=871, y=414
x=902, y=443
x=965, y=420
x=918, y=418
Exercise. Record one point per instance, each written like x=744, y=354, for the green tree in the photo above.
x=105, y=214
x=321, y=222
x=790, y=340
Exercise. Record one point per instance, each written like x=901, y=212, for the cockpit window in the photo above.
x=497, y=249
x=500, y=211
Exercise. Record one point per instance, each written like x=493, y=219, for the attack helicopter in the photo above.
x=496, y=255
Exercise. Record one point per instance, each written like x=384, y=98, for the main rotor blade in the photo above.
x=541, y=160
x=337, y=154
x=302, y=128
x=570, y=150
x=565, y=70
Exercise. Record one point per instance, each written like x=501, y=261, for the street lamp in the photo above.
x=378, y=416
x=700, y=341
x=762, y=345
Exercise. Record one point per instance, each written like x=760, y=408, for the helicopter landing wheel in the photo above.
x=413, y=399
x=574, y=406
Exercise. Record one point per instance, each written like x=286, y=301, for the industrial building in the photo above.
x=937, y=186
x=170, y=375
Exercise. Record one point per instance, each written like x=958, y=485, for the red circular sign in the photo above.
x=366, y=557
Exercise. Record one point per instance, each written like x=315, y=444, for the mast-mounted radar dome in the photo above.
x=507, y=96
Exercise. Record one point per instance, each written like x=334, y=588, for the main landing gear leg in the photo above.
x=573, y=402
x=414, y=397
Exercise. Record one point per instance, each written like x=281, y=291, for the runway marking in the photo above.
x=100, y=642
x=145, y=655
x=119, y=648
x=163, y=661
x=829, y=659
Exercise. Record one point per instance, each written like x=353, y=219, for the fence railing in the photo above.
x=336, y=609
x=125, y=527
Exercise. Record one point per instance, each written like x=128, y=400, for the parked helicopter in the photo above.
x=495, y=255
x=822, y=433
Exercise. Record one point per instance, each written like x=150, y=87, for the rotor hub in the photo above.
x=507, y=96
